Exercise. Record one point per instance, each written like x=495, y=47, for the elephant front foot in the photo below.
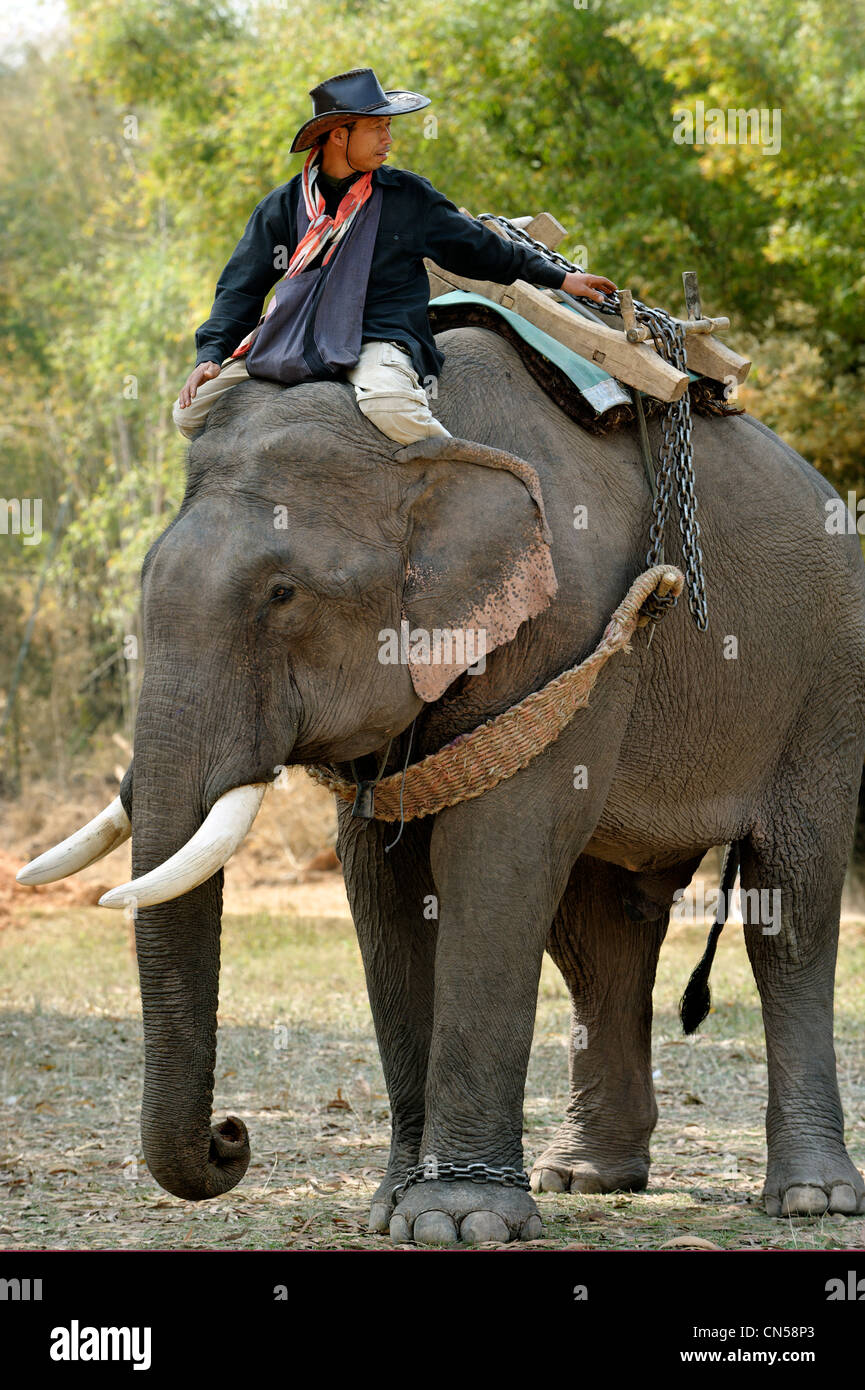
x=444, y=1213
x=570, y=1164
x=814, y=1186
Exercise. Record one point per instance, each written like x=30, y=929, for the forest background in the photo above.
x=135, y=144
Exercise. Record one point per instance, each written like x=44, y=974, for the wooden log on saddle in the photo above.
x=627, y=352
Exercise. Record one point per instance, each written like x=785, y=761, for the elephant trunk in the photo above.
x=178, y=961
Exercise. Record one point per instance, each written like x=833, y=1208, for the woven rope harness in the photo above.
x=495, y=750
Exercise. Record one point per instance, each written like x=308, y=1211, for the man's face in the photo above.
x=369, y=144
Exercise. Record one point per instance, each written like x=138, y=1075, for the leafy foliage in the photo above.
x=161, y=124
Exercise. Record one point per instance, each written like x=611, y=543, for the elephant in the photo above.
x=303, y=535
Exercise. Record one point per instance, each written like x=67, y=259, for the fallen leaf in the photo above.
x=339, y=1103
x=689, y=1243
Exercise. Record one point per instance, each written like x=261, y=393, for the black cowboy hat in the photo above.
x=355, y=93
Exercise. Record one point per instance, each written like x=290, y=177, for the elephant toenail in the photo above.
x=379, y=1218
x=804, y=1199
x=843, y=1199
x=400, y=1230
x=479, y=1227
x=548, y=1180
x=434, y=1228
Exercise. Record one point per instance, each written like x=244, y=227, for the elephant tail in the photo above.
x=696, y=1001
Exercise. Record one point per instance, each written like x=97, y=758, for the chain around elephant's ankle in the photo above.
x=433, y=1171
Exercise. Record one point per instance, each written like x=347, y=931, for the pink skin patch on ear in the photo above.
x=526, y=585
x=523, y=592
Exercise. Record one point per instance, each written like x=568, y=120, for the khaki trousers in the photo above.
x=386, y=386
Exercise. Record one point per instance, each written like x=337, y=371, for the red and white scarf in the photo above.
x=323, y=229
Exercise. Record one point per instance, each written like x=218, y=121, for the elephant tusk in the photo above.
x=93, y=841
x=212, y=845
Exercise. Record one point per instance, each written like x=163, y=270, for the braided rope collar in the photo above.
x=496, y=749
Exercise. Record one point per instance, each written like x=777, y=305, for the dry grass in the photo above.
x=298, y=1061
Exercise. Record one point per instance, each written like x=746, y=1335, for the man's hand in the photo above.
x=587, y=286
x=205, y=371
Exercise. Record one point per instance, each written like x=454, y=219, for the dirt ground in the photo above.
x=298, y=1062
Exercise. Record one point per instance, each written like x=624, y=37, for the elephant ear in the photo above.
x=479, y=562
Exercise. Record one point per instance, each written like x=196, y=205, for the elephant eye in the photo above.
x=281, y=593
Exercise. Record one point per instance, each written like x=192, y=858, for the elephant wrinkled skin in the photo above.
x=303, y=534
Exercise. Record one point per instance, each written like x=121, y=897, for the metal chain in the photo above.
x=461, y=1172
x=675, y=455
x=518, y=234
x=676, y=458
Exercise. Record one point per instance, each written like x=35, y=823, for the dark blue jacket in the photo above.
x=416, y=221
